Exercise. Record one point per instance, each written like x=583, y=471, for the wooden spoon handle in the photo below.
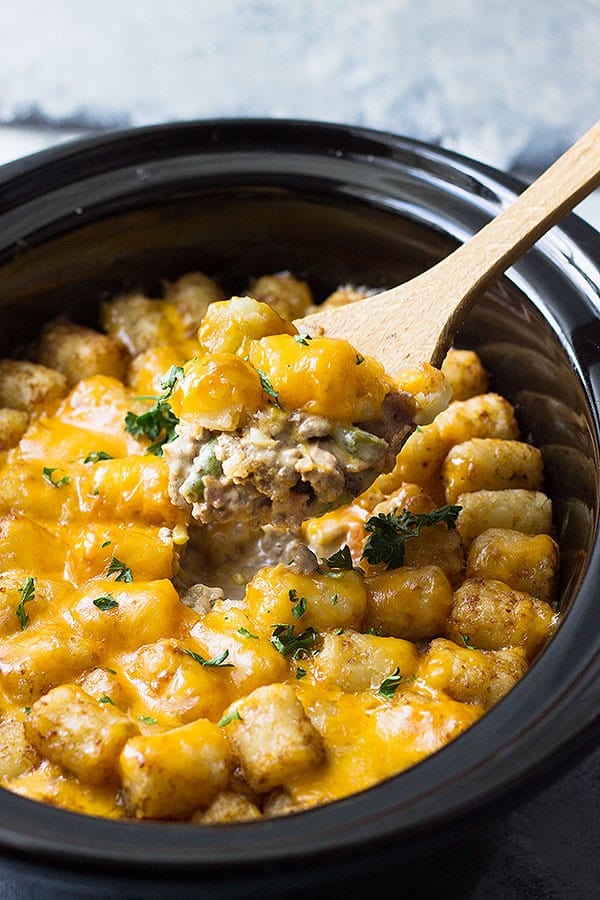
x=416, y=321
x=463, y=274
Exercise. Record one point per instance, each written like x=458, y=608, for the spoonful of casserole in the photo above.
x=281, y=421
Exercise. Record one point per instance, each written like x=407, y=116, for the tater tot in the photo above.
x=13, y=424
x=471, y=676
x=465, y=374
x=79, y=352
x=491, y=616
x=421, y=458
x=191, y=296
x=169, y=775
x=409, y=603
x=529, y=512
x=30, y=387
x=358, y=662
x=272, y=737
x=491, y=464
x=289, y=296
x=524, y=562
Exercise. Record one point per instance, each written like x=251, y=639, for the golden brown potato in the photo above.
x=17, y=755
x=13, y=424
x=529, y=512
x=272, y=737
x=421, y=458
x=171, y=774
x=254, y=660
x=137, y=322
x=289, y=296
x=79, y=352
x=191, y=295
x=79, y=733
x=228, y=806
x=409, y=603
x=170, y=685
x=489, y=615
x=28, y=386
x=42, y=657
x=332, y=600
x=491, y=464
x=359, y=662
x=343, y=295
x=471, y=676
x=465, y=373
x=524, y=562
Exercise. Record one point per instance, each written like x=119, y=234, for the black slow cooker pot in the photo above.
x=334, y=205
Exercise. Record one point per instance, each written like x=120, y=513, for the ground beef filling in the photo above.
x=283, y=467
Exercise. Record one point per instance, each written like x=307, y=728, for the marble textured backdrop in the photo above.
x=510, y=82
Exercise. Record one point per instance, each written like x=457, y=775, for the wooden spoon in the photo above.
x=416, y=321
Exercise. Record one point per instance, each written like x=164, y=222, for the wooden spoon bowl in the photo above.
x=416, y=321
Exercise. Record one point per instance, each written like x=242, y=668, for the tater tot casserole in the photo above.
x=273, y=620
x=257, y=594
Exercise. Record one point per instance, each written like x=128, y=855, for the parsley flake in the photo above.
x=147, y=720
x=48, y=472
x=298, y=646
x=342, y=559
x=27, y=594
x=231, y=717
x=106, y=544
x=105, y=603
x=97, y=456
x=215, y=661
x=303, y=339
x=169, y=380
x=359, y=359
x=299, y=607
x=467, y=642
x=157, y=424
x=106, y=700
x=123, y=571
x=388, y=533
x=268, y=388
x=245, y=633
x=300, y=673
x=389, y=685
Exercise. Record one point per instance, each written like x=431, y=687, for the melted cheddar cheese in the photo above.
x=124, y=695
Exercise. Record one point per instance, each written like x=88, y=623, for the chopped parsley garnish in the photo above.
x=303, y=339
x=388, y=533
x=334, y=600
x=342, y=559
x=157, y=424
x=123, y=571
x=97, y=456
x=359, y=359
x=389, y=685
x=106, y=544
x=300, y=672
x=147, y=720
x=298, y=646
x=215, y=661
x=106, y=700
x=169, y=380
x=105, y=603
x=467, y=642
x=247, y=634
x=27, y=594
x=48, y=472
x=231, y=717
x=299, y=607
x=377, y=632
x=268, y=388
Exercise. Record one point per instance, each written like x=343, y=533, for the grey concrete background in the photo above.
x=509, y=82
